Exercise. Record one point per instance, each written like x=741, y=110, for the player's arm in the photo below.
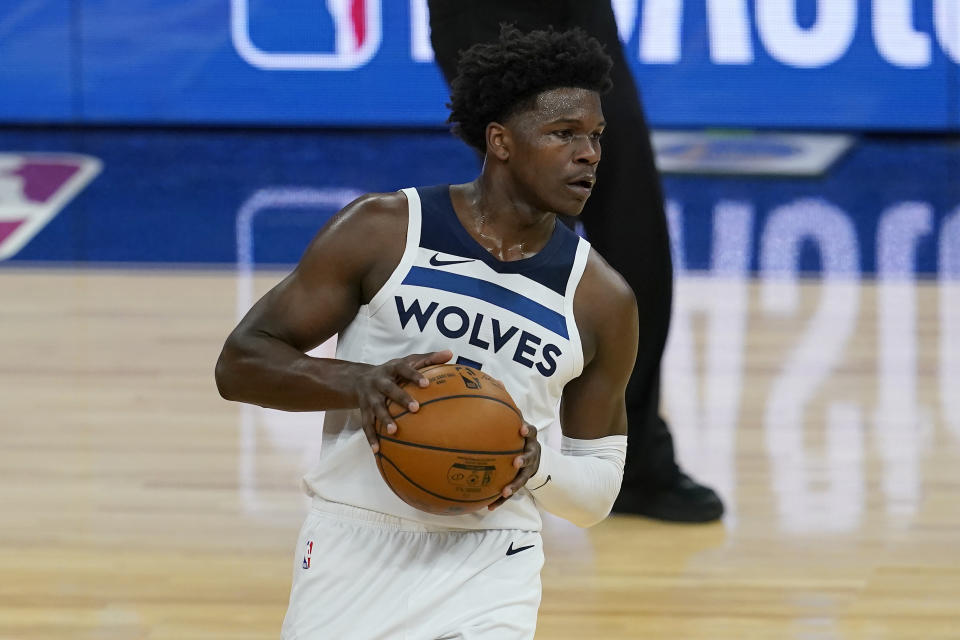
x=581, y=481
x=264, y=359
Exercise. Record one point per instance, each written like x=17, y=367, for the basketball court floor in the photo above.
x=812, y=377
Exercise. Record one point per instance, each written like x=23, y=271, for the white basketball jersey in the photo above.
x=513, y=320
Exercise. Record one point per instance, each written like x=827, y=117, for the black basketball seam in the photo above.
x=449, y=450
x=425, y=490
x=462, y=395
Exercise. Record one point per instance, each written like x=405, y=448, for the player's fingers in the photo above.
x=524, y=474
x=384, y=418
x=439, y=357
x=407, y=371
x=422, y=360
x=527, y=458
x=366, y=423
x=526, y=463
x=392, y=391
x=531, y=447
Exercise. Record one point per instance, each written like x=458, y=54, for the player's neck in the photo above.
x=500, y=220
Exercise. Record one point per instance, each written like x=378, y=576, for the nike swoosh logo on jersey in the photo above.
x=512, y=551
x=437, y=262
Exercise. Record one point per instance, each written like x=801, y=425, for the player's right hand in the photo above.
x=377, y=385
x=526, y=464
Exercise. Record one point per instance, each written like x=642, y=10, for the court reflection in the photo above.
x=835, y=385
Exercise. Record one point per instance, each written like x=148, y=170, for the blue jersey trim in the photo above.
x=489, y=292
x=442, y=231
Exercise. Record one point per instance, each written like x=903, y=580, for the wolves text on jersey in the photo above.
x=454, y=323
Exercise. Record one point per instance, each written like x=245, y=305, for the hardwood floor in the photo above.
x=138, y=504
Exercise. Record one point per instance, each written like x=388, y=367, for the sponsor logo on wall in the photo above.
x=34, y=188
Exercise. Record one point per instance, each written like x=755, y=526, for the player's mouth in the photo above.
x=582, y=185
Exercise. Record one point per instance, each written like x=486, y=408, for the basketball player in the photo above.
x=481, y=273
x=624, y=220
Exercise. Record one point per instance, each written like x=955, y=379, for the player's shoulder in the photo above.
x=607, y=289
x=604, y=307
x=374, y=209
x=371, y=227
x=367, y=221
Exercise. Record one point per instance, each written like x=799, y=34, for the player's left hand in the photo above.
x=527, y=464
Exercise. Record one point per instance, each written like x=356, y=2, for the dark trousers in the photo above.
x=624, y=217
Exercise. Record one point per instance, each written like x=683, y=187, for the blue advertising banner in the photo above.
x=333, y=62
x=36, y=61
x=855, y=64
x=256, y=198
x=861, y=64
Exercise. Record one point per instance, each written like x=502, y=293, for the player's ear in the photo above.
x=498, y=140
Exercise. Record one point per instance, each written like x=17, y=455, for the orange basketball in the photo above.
x=455, y=454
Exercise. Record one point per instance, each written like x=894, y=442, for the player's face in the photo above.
x=556, y=147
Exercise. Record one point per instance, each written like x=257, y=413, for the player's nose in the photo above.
x=587, y=151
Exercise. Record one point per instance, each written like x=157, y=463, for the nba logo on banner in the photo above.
x=33, y=189
x=285, y=35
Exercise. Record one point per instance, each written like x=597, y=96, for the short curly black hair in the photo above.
x=501, y=78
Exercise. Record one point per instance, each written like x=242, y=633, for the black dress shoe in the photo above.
x=684, y=501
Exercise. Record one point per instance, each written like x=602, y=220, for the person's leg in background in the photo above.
x=625, y=220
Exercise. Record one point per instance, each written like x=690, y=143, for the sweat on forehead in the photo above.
x=557, y=104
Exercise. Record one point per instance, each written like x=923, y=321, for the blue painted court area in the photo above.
x=889, y=206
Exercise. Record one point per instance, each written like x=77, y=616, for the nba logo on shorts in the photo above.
x=33, y=189
x=306, y=556
x=326, y=35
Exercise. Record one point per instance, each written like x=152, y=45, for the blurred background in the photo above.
x=163, y=163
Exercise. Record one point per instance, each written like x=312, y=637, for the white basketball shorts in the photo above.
x=365, y=575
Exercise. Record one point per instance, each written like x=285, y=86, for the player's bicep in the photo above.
x=306, y=308
x=323, y=294
x=593, y=404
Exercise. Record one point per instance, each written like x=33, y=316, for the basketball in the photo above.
x=455, y=455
